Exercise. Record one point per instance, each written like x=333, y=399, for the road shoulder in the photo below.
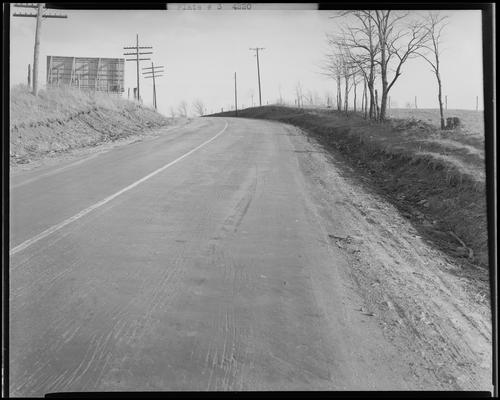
x=410, y=290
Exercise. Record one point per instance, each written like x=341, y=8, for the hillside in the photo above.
x=61, y=119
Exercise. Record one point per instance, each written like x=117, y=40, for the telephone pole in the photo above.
x=40, y=15
x=235, y=96
x=258, y=69
x=137, y=53
x=151, y=72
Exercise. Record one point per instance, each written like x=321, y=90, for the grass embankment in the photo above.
x=435, y=178
x=60, y=119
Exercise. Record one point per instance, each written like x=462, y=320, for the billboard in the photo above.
x=98, y=74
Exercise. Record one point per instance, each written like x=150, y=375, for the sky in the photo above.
x=201, y=51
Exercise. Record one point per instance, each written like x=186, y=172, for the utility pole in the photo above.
x=40, y=15
x=151, y=72
x=137, y=53
x=258, y=69
x=235, y=96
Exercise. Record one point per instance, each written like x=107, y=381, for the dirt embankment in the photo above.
x=435, y=178
x=62, y=119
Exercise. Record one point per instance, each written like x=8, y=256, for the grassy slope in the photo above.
x=60, y=119
x=435, y=178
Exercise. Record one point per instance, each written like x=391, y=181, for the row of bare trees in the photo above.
x=370, y=49
x=198, y=108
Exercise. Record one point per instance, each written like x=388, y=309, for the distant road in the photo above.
x=193, y=261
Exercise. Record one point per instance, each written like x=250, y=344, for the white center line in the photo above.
x=82, y=213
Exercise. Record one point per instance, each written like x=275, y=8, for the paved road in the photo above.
x=140, y=270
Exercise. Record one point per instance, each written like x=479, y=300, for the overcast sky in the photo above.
x=201, y=50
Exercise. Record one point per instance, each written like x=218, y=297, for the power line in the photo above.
x=40, y=14
x=137, y=53
x=258, y=69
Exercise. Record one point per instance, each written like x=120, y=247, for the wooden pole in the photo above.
x=235, y=96
x=416, y=102
x=258, y=70
x=154, y=85
x=477, y=103
x=29, y=75
x=38, y=31
x=137, y=48
x=258, y=75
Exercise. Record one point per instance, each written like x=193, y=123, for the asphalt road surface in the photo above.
x=194, y=261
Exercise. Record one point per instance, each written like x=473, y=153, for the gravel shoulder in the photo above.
x=439, y=320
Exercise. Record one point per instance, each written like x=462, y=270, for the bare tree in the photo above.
x=182, y=109
x=310, y=97
x=356, y=79
x=172, y=112
x=360, y=46
x=199, y=107
x=380, y=42
x=434, y=27
x=332, y=67
x=298, y=94
x=398, y=41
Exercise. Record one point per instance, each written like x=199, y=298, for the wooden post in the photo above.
x=477, y=103
x=416, y=102
x=96, y=81
x=72, y=72
x=38, y=31
x=29, y=75
x=50, y=70
x=128, y=96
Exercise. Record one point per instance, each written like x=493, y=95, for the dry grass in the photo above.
x=60, y=119
x=58, y=104
x=473, y=121
x=435, y=177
